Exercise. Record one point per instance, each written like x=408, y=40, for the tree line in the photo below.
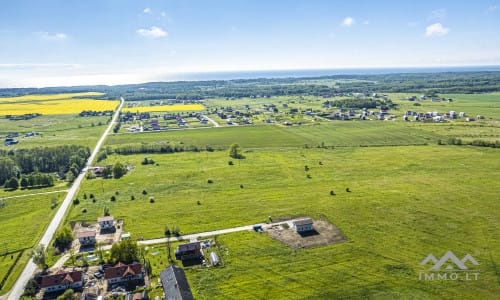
x=61, y=159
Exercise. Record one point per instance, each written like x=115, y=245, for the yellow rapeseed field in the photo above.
x=50, y=97
x=54, y=104
x=176, y=107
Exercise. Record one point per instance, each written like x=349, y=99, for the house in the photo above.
x=122, y=273
x=106, y=223
x=61, y=281
x=175, y=285
x=188, y=251
x=86, y=238
x=303, y=225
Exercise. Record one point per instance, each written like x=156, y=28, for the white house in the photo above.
x=106, y=222
x=86, y=237
x=303, y=225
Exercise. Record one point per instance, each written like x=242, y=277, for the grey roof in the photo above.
x=175, y=285
x=303, y=222
x=190, y=246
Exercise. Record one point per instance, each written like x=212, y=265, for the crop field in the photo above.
x=405, y=202
x=57, y=107
x=47, y=97
x=165, y=108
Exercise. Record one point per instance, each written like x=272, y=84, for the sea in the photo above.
x=230, y=75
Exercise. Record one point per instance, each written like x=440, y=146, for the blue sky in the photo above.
x=68, y=42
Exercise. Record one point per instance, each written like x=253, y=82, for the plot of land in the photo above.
x=324, y=233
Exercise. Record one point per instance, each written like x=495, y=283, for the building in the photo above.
x=106, y=223
x=175, y=285
x=188, y=251
x=122, y=273
x=303, y=225
x=86, y=238
x=61, y=281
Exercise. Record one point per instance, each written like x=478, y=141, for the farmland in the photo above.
x=410, y=195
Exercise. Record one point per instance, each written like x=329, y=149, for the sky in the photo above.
x=80, y=42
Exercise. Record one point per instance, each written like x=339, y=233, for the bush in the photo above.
x=113, y=198
x=230, y=163
x=76, y=201
x=132, y=197
x=151, y=200
x=210, y=181
x=84, y=210
x=144, y=192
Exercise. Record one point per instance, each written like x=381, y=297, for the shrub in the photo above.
x=332, y=193
x=132, y=197
x=230, y=163
x=76, y=201
x=151, y=200
x=84, y=210
x=144, y=192
x=113, y=198
x=210, y=181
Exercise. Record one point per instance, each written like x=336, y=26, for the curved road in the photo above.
x=18, y=289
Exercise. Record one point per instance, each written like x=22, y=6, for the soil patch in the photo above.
x=324, y=233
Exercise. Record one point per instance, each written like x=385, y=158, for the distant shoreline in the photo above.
x=235, y=75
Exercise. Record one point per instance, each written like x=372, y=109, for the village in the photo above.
x=91, y=278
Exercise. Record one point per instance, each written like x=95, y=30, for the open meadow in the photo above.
x=405, y=202
x=408, y=196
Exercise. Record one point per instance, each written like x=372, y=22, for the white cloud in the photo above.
x=52, y=37
x=153, y=32
x=436, y=30
x=147, y=10
x=163, y=14
x=438, y=14
x=348, y=22
x=366, y=22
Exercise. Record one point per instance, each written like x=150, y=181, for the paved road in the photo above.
x=18, y=289
x=35, y=194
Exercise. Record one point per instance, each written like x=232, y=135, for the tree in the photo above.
x=235, y=151
x=30, y=289
x=106, y=173
x=67, y=295
x=24, y=182
x=125, y=251
x=168, y=234
x=39, y=256
x=12, y=183
x=63, y=238
x=119, y=170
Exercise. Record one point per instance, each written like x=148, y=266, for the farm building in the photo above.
x=123, y=273
x=62, y=281
x=106, y=223
x=175, y=285
x=86, y=238
x=188, y=251
x=303, y=225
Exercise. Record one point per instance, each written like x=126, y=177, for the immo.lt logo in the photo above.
x=449, y=267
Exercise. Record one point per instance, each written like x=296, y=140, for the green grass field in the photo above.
x=406, y=202
x=54, y=130
x=410, y=197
